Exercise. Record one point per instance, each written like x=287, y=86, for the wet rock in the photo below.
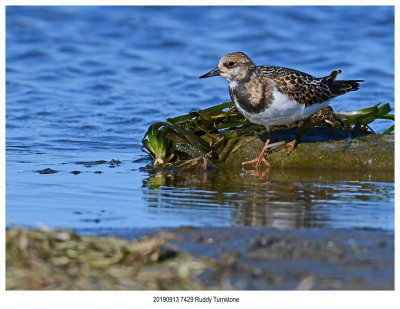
x=372, y=152
x=47, y=171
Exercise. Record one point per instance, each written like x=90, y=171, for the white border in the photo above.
x=143, y=299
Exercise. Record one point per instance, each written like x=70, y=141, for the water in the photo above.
x=84, y=83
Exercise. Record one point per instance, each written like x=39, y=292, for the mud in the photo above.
x=201, y=259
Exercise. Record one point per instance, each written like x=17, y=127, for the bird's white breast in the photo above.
x=282, y=111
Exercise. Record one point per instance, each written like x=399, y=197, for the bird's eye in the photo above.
x=231, y=64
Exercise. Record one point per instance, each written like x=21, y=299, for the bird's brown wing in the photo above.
x=299, y=86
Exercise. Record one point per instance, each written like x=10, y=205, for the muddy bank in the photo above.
x=201, y=259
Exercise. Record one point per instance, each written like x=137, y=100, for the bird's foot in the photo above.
x=291, y=145
x=262, y=158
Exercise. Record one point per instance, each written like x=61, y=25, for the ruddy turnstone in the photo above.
x=273, y=95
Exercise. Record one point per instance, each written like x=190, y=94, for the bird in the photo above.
x=274, y=95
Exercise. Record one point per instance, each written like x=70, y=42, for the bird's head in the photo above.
x=234, y=67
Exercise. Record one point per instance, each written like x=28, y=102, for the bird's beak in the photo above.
x=214, y=72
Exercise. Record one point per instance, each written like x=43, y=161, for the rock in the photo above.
x=372, y=151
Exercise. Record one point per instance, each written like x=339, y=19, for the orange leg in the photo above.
x=292, y=145
x=262, y=158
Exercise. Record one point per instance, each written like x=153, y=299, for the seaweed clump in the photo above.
x=204, y=138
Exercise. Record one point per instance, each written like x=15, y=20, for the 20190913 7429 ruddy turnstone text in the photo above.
x=274, y=95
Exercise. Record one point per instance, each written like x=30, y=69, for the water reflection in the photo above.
x=282, y=199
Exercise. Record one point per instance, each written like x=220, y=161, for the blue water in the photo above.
x=84, y=83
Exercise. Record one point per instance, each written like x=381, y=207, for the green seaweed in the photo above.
x=361, y=118
x=156, y=144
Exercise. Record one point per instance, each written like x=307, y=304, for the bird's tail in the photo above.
x=340, y=87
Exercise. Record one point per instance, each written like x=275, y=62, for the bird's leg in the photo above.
x=263, y=154
x=292, y=145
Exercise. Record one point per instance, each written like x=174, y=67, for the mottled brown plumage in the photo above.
x=304, y=88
